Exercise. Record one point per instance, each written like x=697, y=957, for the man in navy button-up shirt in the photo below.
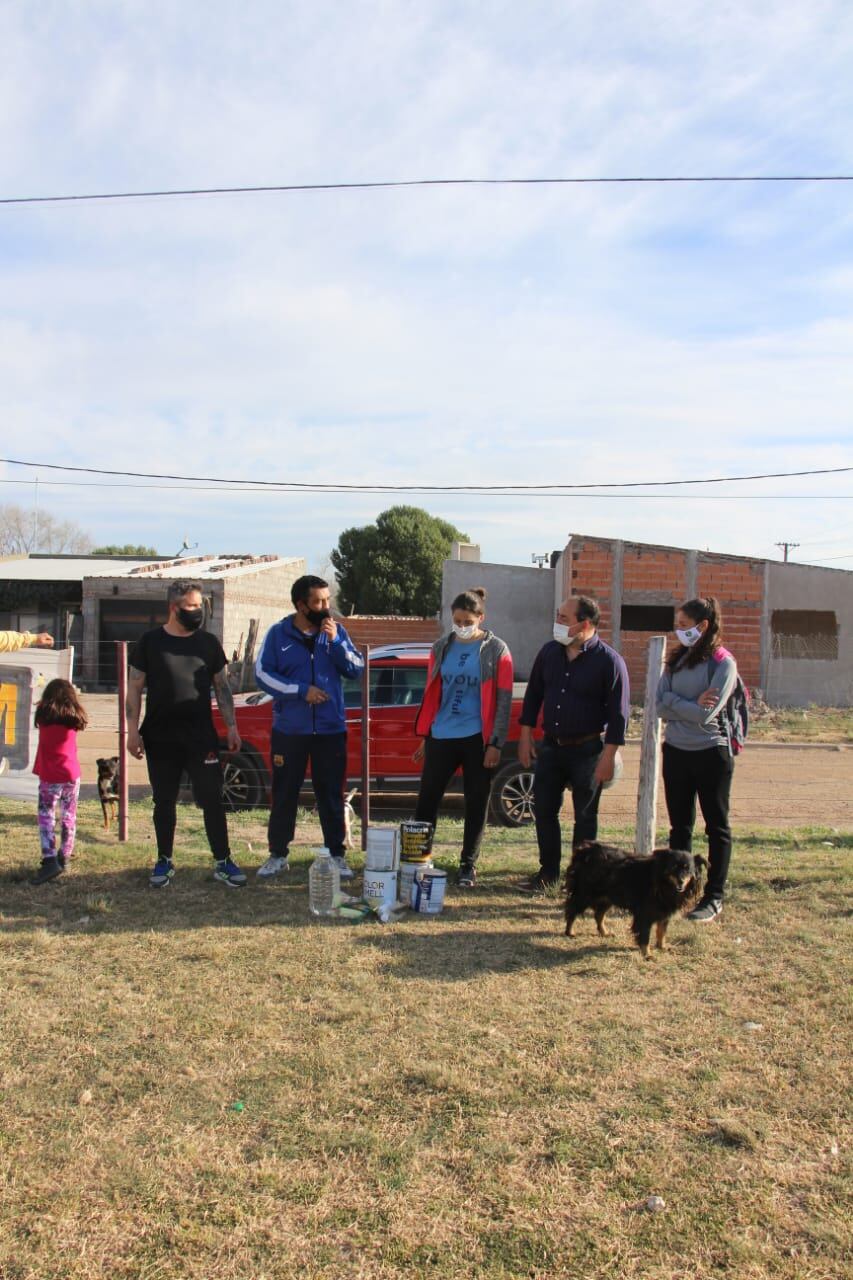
x=581, y=686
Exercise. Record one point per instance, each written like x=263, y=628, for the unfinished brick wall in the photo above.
x=667, y=576
x=375, y=629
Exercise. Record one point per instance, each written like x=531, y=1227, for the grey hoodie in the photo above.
x=689, y=726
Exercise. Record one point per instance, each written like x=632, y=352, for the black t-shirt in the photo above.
x=179, y=673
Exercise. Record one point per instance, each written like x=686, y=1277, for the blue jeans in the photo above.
x=558, y=768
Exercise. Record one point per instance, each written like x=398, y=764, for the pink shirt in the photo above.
x=56, y=757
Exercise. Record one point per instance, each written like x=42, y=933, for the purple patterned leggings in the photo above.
x=65, y=795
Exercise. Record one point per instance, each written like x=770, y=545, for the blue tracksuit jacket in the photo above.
x=287, y=666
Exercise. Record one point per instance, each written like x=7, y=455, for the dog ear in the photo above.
x=100, y=762
x=114, y=760
x=701, y=863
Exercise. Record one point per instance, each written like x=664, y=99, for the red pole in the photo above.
x=365, y=747
x=121, y=664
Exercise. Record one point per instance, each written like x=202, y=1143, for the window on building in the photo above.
x=804, y=633
x=648, y=617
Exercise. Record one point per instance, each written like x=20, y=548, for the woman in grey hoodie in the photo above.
x=698, y=679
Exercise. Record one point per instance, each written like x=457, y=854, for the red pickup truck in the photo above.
x=397, y=680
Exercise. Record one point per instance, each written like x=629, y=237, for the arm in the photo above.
x=532, y=705
x=268, y=676
x=225, y=702
x=503, y=705
x=707, y=707
x=133, y=707
x=11, y=641
x=345, y=657
x=618, y=706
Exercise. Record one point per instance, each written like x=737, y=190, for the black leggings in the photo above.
x=705, y=774
x=442, y=757
x=166, y=764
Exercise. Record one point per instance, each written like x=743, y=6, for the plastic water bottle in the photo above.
x=323, y=884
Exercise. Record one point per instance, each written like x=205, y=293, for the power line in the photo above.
x=338, y=487
x=425, y=182
x=225, y=487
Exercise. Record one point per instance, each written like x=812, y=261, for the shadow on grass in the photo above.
x=457, y=955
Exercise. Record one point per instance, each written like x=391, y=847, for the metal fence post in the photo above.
x=365, y=747
x=121, y=664
x=647, y=792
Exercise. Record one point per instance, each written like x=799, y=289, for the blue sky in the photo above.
x=441, y=336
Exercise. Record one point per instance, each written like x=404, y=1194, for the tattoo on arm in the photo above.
x=133, y=701
x=224, y=698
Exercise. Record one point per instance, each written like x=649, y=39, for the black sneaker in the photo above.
x=707, y=910
x=540, y=883
x=49, y=870
x=467, y=877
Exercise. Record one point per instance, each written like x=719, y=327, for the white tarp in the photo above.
x=23, y=675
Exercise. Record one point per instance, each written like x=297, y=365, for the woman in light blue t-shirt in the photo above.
x=464, y=721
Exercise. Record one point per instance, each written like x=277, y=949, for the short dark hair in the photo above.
x=177, y=590
x=472, y=601
x=302, y=587
x=587, y=610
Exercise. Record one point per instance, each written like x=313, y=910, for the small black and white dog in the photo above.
x=108, y=787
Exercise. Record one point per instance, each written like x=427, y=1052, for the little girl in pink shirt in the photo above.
x=59, y=716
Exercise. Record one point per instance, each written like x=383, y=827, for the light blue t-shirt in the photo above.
x=459, y=715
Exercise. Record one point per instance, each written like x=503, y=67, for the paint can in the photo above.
x=383, y=849
x=428, y=892
x=380, y=888
x=408, y=872
x=416, y=840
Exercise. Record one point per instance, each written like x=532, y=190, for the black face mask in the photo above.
x=190, y=619
x=317, y=616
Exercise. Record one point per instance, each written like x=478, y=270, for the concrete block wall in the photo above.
x=264, y=595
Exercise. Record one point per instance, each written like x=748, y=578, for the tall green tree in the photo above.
x=394, y=565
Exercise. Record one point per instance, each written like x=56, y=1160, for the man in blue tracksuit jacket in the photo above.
x=302, y=660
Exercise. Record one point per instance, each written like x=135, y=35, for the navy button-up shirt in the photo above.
x=587, y=695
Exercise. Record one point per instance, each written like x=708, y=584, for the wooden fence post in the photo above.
x=647, y=791
x=365, y=746
x=123, y=789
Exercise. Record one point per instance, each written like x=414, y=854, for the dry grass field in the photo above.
x=206, y=1083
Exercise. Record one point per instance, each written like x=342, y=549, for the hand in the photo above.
x=135, y=745
x=709, y=698
x=419, y=752
x=315, y=696
x=235, y=742
x=526, y=748
x=605, y=768
x=330, y=628
x=43, y=641
x=492, y=758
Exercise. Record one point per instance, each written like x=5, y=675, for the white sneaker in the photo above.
x=346, y=873
x=272, y=866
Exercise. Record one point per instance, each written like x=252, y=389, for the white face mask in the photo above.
x=689, y=637
x=561, y=633
x=464, y=633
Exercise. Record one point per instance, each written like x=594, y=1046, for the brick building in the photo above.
x=790, y=626
x=376, y=629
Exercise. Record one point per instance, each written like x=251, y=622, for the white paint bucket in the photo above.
x=408, y=872
x=428, y=892
x=380, y=888
x=383, y=849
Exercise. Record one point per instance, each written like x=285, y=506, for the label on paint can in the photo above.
x=416, y=840
x=408, y=873
x=383, y=849
x=428, y=892
x=380, y=887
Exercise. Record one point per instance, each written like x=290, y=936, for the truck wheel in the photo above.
x=511, y=800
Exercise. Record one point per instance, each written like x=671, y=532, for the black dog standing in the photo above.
x=653, y=888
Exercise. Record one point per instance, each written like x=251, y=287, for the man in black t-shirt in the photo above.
x=178, y=665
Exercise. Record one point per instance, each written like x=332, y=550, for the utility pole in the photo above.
x=785, y=547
